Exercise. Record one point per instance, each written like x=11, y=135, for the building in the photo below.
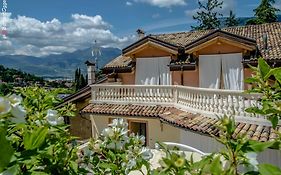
x=170, y=87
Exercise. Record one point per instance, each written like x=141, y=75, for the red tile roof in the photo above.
x=254, y=32
x=193, y=122
x=127, y=110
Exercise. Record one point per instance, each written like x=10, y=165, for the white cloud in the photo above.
x=29, y=36
x=129, y=3
x=163, y=3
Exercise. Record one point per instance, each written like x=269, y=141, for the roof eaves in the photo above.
x=216, y=33
x=151, y=39
x=117, y=69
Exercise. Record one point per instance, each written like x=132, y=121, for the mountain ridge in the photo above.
x=62, y=65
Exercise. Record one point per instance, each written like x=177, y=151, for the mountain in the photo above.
x=62, y=65
x=243, y=20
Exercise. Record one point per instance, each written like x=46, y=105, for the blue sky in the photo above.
x=114, y=21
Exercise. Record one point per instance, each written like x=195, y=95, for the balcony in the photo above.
x=210, y=102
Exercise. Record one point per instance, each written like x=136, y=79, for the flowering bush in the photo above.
x=116, y=151
x=35, y=140
x=33, y=137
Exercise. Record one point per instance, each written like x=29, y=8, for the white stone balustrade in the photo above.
x=199, y=100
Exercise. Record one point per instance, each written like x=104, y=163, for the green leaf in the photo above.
x=110, y=166
x=35, y=139
x=6, y=150
x=112, y=155
x=278, y=76
x=267, y=169
x=11, y=171
x=216, y=167
x=253, y=68
x=74, y=166
x=274, y=71
x=274, y=121
x=255, y=110
x=251, y=80
x=264, y=68
x=39, y=173
x=260, y=146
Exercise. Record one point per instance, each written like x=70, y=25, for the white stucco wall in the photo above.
x=208, y=145
x=157, y=131
x=162, y=132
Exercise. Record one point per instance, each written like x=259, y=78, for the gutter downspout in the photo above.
x=182, y=75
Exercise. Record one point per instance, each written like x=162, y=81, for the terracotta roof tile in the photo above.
x=120, y=61
x=255, y=32
x=190, y=121
x=128, y=110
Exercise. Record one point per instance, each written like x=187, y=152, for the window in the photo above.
x=139, y=128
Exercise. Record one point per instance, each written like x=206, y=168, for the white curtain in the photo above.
x=153, y=71
x=232, y=71
x=209, y=71
x=164, y=71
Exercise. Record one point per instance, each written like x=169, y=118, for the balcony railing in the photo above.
x=199, y=100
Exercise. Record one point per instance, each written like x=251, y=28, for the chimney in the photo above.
x=141, y=33
x=91, y=70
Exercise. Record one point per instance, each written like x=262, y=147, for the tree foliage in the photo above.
x=8, y=75
x=264, y=13
x=231, y=20
x=208, y=16
x=5, y=88
x=79, y=80
x=267, y=82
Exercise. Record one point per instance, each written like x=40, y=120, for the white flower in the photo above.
x=119, y=123
x=53, y=118
x=141, y=139
x=87, y=152
x=146, y=154
x=157, y=146
x=108, y=132
x=252, y=159
x=97, y=146
x=111, y=145
x=18, y=113
x=131, y=164
x=116, y=145
x=38, y=122
x=15, y=99
x=5, y=106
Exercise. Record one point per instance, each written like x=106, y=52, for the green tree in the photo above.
x=79, y=80
x=264, y=13
x=207, y=17
x=231, y=20
x=5, y=88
